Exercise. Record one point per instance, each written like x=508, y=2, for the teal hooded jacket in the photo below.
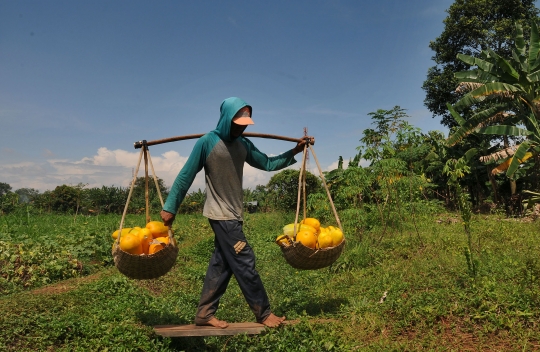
x=223, y=158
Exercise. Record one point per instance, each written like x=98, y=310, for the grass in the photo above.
x=432, y=301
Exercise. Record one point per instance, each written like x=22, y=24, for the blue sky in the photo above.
x=80, y=81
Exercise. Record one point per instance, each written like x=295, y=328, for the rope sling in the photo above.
x=145, y=266
x=295, y=253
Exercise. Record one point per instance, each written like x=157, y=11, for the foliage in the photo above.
x=40, y=249
x=8, y=202
x=80, y=199
x=340, y=308
x=105, y=200
x=66, y=198
x=193, y=203
x=457, y=169
x=394, y=184
x=282, y=189
x=471, y=26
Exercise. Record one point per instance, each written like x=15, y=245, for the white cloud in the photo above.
x=106, y=167
x=110, y=167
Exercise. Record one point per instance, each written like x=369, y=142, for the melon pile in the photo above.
x=311, y=234
x=143, y=241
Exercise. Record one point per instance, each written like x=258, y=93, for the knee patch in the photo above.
x=239, y=246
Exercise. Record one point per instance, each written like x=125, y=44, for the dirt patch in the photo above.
x=449, y=333
x=70, y=284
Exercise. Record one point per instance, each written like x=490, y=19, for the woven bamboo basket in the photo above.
x=295, y=253
x=301, y=257
x=144, y=267
x=151, y=266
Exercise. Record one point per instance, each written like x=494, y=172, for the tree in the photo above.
x=509, y=91
x=138, y=203
x=4, y=188
x=107, y=200
x=27, y=195
x=66, y=198
x=8, y=199
x=377, y=143
x=471, y=26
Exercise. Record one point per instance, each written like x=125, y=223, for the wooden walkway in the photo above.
x=194, y=330
x=232, y=329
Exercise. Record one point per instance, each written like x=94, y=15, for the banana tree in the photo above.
x=505, y=97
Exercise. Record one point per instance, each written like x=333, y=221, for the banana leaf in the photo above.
x=534, y=77
x=472, y=124
x=460, y=120
x=470, y=154
x=508, y=68
x=522, y=61
x=480, y=93
x=476, y=75
x=534, y=47
x=518, y=156
x=474, y=61
x=520, y=41
x=505, y=130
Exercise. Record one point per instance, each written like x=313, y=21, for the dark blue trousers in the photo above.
x=232, y=256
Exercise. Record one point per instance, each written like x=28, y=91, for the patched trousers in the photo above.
x=232, y=256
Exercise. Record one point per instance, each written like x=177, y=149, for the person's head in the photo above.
x=240, y=121
x=237, y=109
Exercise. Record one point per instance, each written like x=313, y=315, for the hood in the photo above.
x=229, y=108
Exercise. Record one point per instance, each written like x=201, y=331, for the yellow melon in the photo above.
x=157, y=228
x=125, y=231
x=131, y=243
x=337, y=237
x=325, y=240
x=145, y=236
x=312, y=222
x=307, y=238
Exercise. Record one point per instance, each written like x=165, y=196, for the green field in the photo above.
x=61, y=292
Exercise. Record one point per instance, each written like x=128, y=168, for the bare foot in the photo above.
x=273, y=321
x=215, y=323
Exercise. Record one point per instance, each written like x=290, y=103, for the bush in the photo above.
x=283, y=189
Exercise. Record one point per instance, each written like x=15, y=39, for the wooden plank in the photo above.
x=194, y=330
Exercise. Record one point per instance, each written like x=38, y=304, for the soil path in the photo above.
x=71, y=284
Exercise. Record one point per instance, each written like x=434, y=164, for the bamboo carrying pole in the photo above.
x=140, y=144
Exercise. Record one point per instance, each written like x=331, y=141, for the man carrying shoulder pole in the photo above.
x=222, y=153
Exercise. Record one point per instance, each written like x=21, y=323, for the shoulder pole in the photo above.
x=139, y=144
